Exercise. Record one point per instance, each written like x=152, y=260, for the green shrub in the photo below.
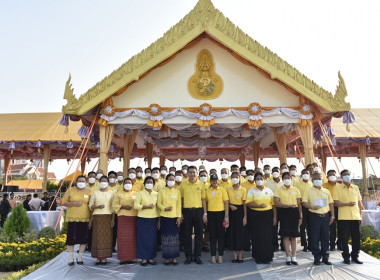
x=47, y=232
x=65, y=224
x=368, y=231
x=30, y=236
x=17, y=223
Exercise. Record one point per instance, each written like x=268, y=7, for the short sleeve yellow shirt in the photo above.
x=264, y=196
x=346, y=194
x=124, y=198
x=216, y=198
x=313, y=193
x=288, y=196
x=238, y=196
x=303, y=186
x=81, y=213
x=192, y=194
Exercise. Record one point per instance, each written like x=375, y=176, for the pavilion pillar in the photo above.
x=83, y=165
x=306, y=134
x=129, y=142
x=149, y=154
x=256, y=153
x=162, y=160
x=47, y=152
x=7, y=164
x=363, y=159
x=242, y=160
x=324, y=160
x=281, y=145
x=105, y=135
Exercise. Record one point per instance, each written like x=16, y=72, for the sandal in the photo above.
x=97, y=262
x=167, y=262
x=152, y=262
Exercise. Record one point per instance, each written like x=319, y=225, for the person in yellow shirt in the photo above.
x=127, y=217
x=163, y=172
x=136, y=184
x=194, y=214
x=302, y=186
x=289, y=210
x=112, y=182
x=120, y=180
x=147, y=172
x=169, y=203
x=243, y=174
x=172, y=170
x=331, y=185
x=275, y=182
x=178, y=182
x=250, y=181
x=92, y=183
x=184, y=171
x=349, y=201
x=267, y=173
x=158, y=182
x=217, y=215
x=293, y=174
x=99, y=174
x=78, y=216
x=206, y=236
x=203, y=177
x=139, y=175
x=238, y=219
x=102, y=222
x=147, y=223
x=284, y=168
x=320, y=205
x=225, y=181
x=261, y=219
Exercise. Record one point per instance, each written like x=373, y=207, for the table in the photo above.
x=371, y=217
x=41, y=219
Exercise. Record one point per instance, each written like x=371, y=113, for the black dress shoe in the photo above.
x=175, y=263
x=123, y=262
x=167, y=263
x=205, y=249
x=355, y=260
x=130, y=262
x=305, y=249
x=79, y=262
x=235, y=261
x=198, y=260
x=317, y=262
x=347, y=261
x=288, y=263
x=152, y=262
x=188, y=260
x=332, y=248
x=240, y=261
x=71, y=263
x=326, y=262
x=144, y=264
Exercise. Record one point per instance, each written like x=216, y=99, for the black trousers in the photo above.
x=319, y=228
x=193, y=219
x=305, y=228
x=350, y=228
x=217, y=231
x=3, y=218
x=333, y=230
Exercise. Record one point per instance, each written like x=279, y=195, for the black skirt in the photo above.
x=261, y=227
x=236, y=229
x=77, y=233
x=289, y=219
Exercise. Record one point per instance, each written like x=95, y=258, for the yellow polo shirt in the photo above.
x=159, y=185
x=267, y=179
x=114, y=188
x=344, y=194
x=169, y=197
x=122, y=198
x=314, y=193
x=94, y=187
x=264, y=196
x=331, y=188
x=216, y=198
x=192, y=194
x=81, y=213
x=144, y=198
x=288, y=196
x=140, y=181
x=237, y=197
x=248, y=185
x=271, y=184
x=225, y=184
x=302, y=186
x=136, y=187
x=295, y=180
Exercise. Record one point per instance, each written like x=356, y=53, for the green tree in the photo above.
x=17, y=223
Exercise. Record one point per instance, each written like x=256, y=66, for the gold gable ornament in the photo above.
x=205, y=83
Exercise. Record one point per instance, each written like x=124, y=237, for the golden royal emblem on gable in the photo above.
x=205, y=83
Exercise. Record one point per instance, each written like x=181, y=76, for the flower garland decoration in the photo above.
x=206, y=119
x=155, y=119
x=254, y=110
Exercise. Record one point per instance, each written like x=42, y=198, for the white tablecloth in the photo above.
x=371, y=217
x=41, y=219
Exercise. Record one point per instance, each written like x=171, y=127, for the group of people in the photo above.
x=241, y=210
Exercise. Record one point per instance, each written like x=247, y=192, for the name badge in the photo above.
x=174, y=196
x=155, y=198
x=213, y=194
x=293, y=193
x=324, y=195
x=85, y=196
x=238, y=194
x=353, y=192
x=133, y=197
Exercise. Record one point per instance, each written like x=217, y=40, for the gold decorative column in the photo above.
x=306, y=134
x=149, y=154
x=106, y=135
x=281, y=145
x=162, y=160
x=7, y=164
x=256, y=153
x=46, y=166
x=129, y=142
x=242, y=160
x=363, y=159
x=83, y=165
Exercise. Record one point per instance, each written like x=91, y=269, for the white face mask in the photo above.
x=156, y=175
x=112, y=180
x=287, y=182
x=203, y=179
x=276, y=174
x=332, y=178
x=243, y=173
x=224, y=176
x=127, y=187
x=347, y=178
x=98, y=176
x=184, y=171
x=132, y=175
x=172, y=172
x=171, y=183
x=284, y=170
x=178, y=178
x=235, y=181
x=91, y=180
x=259, y=183
x=293, y=172
x=81, y=185
x=139, y=174
x=305, y=176
x=267, y=171
x=163, y=172
x=149, y=186
x=103, y=185
x=317, y=183
x=148, y=174
x=251, y=177
x=120, y=178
